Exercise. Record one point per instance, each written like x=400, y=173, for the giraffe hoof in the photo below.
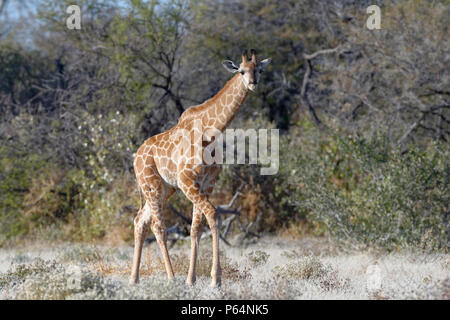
x=133, y=281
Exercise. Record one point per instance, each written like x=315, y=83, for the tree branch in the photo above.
x=2, y=5
x=303, y=91
x=222, y=209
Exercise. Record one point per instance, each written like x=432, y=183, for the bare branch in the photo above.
x=303, y=95
x=411, y=129
x=233, y=200
x=2, y=5
x=320, y=52
x=178, y=213
x=222, y=209
x=172, y=230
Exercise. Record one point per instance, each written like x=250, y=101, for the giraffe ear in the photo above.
x=230, y=66
x=263, y=64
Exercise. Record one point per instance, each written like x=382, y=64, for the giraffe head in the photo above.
x=250, y=69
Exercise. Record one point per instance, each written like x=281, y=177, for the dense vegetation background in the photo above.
x=364, y=114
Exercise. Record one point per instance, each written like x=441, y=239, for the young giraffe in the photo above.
x=160, y=169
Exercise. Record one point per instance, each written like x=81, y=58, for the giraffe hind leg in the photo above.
x=141, y=223
x=159, y=229
x=155, y=192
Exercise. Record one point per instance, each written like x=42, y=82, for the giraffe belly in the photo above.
x=169, y=177
x=167, y=170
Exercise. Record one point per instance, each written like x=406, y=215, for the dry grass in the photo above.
x=273, y=268
x=152, y=264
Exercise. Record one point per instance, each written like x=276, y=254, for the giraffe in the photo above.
x=161, y=168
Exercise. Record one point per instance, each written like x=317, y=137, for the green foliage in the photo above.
x=367, y=192
x=14, y=184
x=76, y=105
x=156, y=29
x=39, y=199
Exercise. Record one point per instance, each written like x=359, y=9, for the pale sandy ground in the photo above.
x=270, y=268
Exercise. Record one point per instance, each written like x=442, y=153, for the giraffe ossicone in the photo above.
x=167, y=161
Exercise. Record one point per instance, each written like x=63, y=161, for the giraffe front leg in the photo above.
x=192, y=188
x=141, y=223
x=196, y=232
x=216, y=272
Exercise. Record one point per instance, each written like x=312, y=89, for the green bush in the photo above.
x=366, y=191
x=16, y=179
x=40, y=199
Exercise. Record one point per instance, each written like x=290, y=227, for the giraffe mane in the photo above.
x=195, y=111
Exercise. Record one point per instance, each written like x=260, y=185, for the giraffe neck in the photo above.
x=225, y=104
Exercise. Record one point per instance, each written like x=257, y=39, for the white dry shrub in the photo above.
x=271, y=269
x=258, y=258
x=313, y=270
x=309, y=267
